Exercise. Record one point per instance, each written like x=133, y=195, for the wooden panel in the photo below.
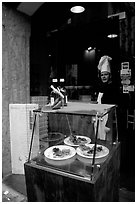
x=107, y=185
x=51, y=187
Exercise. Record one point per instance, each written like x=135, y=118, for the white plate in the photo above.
x=103, y=153
x=49, y=152
x=60, y=162
x=90, y=160
x=68, y=142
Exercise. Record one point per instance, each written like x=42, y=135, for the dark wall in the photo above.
x=39, y=65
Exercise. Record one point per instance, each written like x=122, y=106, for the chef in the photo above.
x=107, y=91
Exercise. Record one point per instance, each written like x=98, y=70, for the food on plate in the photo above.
x=87, y=150
x=76, y=140
x=84, y=147
x=60, y=153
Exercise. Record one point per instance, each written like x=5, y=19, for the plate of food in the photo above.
x=87, y=151
x=60, y=162
x=59, y=152
x=76, y=140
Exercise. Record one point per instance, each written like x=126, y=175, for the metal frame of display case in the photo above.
x=99, y=116
x=75, y=180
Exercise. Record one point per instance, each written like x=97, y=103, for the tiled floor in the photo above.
x=11, y=195
x=14, y=189
x=126, y=196
x=127, y=187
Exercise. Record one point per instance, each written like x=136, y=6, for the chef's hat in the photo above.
x=104, y=64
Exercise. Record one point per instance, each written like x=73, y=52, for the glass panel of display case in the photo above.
x=82, y=126
x=81, y=145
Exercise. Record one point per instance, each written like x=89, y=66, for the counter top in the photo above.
x=80, y=108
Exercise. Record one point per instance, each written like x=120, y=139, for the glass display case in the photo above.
x=81, y=158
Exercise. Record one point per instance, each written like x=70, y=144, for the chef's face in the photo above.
x=105, y=76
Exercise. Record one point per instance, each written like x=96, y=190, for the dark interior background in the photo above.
x=59, y=38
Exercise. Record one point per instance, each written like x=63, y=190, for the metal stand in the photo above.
x=32, y=136
x=95, y=147
x=116, y=125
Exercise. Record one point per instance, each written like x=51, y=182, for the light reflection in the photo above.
x=89, y=55
x=77, y=9
x=112, y=36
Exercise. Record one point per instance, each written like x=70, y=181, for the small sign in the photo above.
x=125, y=81
x=125, y=72
x=131, y=88
x=125, y=65
x=125, y=89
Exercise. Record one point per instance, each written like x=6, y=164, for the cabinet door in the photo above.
x=21, y=124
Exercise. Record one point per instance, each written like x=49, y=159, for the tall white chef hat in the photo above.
x=104, y=64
